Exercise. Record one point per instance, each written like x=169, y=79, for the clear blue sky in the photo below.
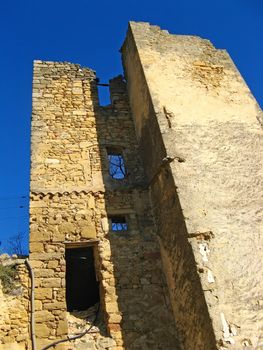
x=91, y=33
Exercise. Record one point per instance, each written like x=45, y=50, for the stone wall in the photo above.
x=203, y=164
x=62, y=116
x=14, y=309
x=73, y=198
x=191, y=317
x=186, y=272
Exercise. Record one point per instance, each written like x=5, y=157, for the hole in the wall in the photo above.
x=116, y=163
x=118, y=223
x=104, y=95
x=82, y=287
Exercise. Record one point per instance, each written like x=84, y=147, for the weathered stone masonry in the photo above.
x=198, y=132
x=14, y=317
x=72, y=197
x=187, y=273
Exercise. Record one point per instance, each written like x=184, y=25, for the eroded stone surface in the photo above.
x=187, y=272
x=14, y=307
x=206, y=181
x=72, y=199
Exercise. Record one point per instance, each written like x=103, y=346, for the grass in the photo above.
x=7, y=277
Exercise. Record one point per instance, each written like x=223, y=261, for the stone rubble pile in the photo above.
x=90, y=320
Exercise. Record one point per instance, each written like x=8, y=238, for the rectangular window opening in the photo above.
x=116, y=163
x=104, y=94
x=118, y=223
x=82, y=287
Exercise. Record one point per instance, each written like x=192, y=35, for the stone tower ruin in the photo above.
x=148, y=207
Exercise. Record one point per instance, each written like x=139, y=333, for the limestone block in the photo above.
x=88, y=232
x=97, y=181
x=42, y=330
x=61, y=294
x=22, y=337
x=13, y=346
x=114, y=318
x=38, y=305
x=85, y=346
x=105, y=224
x=52, y=161
x=36, y=264
x=74, y=157
x=52, y=264
x=42, y=273
x=67, y=227
x=57, y=305
x=106, y=342
x=43, y=316
x=36, y=247
x=106, y=274
x=43, y=293
x=41, y=343
x=115, y=330
x=112, y=307
x=84, y=144
x=37, y=204
x=62, y=327
x=77, y=91
x=58, y=237
x=51, y=282
x=91, y=202
x=8, y=339
x=37, y=236
x=13, y=333
x=45, y=256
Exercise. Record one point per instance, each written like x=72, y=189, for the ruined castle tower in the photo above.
x=148, y=207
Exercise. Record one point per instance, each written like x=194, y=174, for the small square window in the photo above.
x=118, y=223
x=116, y=164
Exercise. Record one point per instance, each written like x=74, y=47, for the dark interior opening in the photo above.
x=82, y=287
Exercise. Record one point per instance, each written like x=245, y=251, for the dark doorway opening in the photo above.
x=82, y=288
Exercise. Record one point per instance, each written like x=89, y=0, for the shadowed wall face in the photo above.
x=204, y=181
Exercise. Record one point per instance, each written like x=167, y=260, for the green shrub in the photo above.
x=7, y=277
